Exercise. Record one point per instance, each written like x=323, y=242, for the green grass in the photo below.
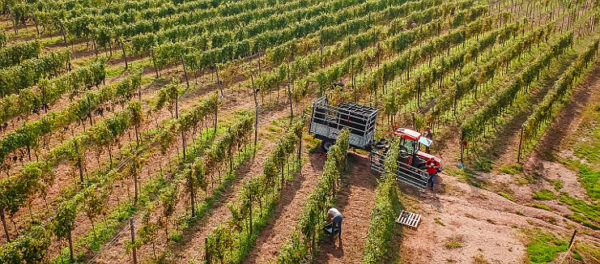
x=541, y=206
x=507, y=196
x=557, y=184
x=468, y=176
x=512, y=169
x=589, y=178
x=521, y=180
x=452, y=245
x=544, y=247
x=589, y=148
x=585, y=213
x=587, y=250
x=483, y=164
x=439, y=221
x=544, y=195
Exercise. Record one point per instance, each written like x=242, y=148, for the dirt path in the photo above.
x=355, y=201
x=287, y=211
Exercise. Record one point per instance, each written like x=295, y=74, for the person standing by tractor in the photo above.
x=432, y=166
x=429, y=135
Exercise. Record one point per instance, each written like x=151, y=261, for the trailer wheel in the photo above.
x=326, y=144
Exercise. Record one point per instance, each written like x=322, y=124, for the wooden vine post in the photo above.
x=187, y=81
x=133, y=240
x=124, y=55
x=134, y=166
x=216, y=114
x=79, y=164
x=191, y=183
x=207, y=256
x=219, y=80
x=3, y=218
x=250, y=214
x=154, y=62
x=255, y=110
x=229, y=151
x=520, y=145
x=290, y=93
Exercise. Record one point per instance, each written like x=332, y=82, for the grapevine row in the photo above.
x=29, y=133
x=234, y=236
x=312, y=61
x=302, y=244
x=16, y=53
x=195, y=174
x=106, y=176
x=475, y=124
x=19, y=77
x=354, y=63
x=456, y=61
x=387, y=207
x=50, y=90
x=558, y=96
x=275, y=32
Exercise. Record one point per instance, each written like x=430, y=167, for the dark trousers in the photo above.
x=431, y=180
x=337, y=225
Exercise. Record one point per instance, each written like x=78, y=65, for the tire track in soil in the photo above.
x=287, y=211
x=355, y=201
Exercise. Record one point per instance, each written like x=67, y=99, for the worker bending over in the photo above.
x=334, y=219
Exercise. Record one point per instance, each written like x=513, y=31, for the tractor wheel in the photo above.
x=326, y=144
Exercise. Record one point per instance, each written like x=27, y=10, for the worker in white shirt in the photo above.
x=335, y=217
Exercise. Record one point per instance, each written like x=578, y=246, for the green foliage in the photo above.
x=299, y=248
x=590, y=211
x=254, y=190
x=30, y=132
x=590, y=179
x=544, y=247
x=28, y=248
x=507, y=196
x=541, y=206
x=557, y=184
x=452, y=245
x=557, y=97
x=544, y=194
x=29, y=72
x=18, y=52
x=49, y=91
x=387, y=207
x=512, y=169
x=483, y=164
x=474, y=126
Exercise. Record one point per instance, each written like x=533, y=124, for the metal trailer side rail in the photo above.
x=405, y=173
x=326, y=123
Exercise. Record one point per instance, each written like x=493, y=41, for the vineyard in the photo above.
x=177, y=131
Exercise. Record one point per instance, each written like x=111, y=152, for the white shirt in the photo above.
x=334, y=212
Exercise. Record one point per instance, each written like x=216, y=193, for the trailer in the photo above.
x=327, y=121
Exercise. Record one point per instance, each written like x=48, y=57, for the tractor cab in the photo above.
x=410, y=147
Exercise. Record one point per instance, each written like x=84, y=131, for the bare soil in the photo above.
x=355, y=201
x=287, y=211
